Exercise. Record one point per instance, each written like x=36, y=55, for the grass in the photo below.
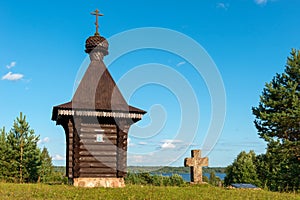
x=58, y=192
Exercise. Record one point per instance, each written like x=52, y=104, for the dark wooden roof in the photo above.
x=97, y=91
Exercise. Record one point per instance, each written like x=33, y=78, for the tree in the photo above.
x=24, y=154
x=242, y=170
x=214, y=180
x=278, y=123
x=4, y=161
x=46, y=172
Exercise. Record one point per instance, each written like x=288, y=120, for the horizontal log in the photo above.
x=98, y=130
x=94, y=135
x=81, y=175
x=97, y=153
x=94, y=142
x=96, y=165
x=92, y=131
x=104, y=160
x=99, y=125
x=97, y=171
x=98, y=147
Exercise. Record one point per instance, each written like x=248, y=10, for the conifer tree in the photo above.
x=278, y=123
x=46, y=172
x=4, y=161
x=23, y=151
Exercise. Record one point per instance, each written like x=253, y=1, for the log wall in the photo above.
x=96, y=150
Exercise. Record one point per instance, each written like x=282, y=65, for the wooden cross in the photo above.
x=97, y=14
x=196, y=163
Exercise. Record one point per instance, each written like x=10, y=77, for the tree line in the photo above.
x=21, y=160
x=278, y=123
x=172, y=170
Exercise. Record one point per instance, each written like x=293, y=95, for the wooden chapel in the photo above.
x=96, y=123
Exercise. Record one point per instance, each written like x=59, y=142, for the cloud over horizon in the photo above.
x=12, y=77
x=169, y=144
x=58, y=157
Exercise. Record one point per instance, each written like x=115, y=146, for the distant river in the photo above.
x=186, y=177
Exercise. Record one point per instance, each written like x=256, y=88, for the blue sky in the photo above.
x=42, y=49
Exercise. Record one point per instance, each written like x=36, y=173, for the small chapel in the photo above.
x=96, y=123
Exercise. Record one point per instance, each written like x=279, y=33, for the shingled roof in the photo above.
x=97, y=91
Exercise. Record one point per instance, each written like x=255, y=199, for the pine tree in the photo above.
x=278, y=123
x=46, y=170
x=24, y=153
x=4, y=164
x=278, y=113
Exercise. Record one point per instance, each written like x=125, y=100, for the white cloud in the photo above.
x=181, y=63
x=58, y=157
x=168, y=145
x=44, y=140
x=143, y=143
x=224, y=6
x=12, y=77
x=11, y=65
x=261, y=2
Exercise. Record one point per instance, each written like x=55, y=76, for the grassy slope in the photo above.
x=58, y=192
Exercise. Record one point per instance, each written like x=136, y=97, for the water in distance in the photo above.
x=187, y=177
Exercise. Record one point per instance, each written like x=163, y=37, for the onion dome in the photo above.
x=96, y=42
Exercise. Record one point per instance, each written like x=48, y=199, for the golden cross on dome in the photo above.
x=97, y=14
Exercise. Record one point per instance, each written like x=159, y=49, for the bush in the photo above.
x=176, y=180
x=156, y=180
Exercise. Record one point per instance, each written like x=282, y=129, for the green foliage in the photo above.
x=277, y=170
x=20, y=158
x=156, y=180
x=46, y=168
x=278, y=123
x=173, y=170
x=65, y=192
x=5, y=164
x=176, y=180
x=278, y=113
x=205, y=179
x=242, y=170
x=22, y=152
x=214, y=180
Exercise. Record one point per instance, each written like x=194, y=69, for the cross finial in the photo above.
x=97, y=14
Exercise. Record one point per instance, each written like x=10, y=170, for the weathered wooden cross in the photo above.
x=196, y=163
x=97, y=14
